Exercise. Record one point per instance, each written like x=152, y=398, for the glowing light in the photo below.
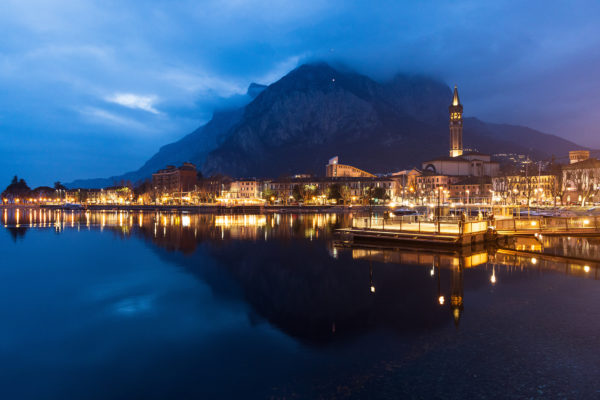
x=185, y=220
x=534, y=260
x=441, y=300
x=372, y=289
x=586, y=221
x=533, y=223
x=586, y=268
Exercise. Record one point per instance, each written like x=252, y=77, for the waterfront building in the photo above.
x=431, y=187
x=471, y=190
x=242, y=191
x=582, y=182
x=172, y=180
x=406, y=184
x=352, y=190
x=576, y=156
x=335, y=169
x=523, y=189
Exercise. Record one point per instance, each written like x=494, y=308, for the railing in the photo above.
x=421, y=224
x=550, y=224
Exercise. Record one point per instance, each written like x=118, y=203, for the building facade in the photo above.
x=353, y=190
x=333, y=169
x=525, y=190
x=576, y=156
x=245, y=189
x=175, y=179
x=582, y=182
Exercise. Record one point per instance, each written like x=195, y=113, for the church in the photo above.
x=459, y=163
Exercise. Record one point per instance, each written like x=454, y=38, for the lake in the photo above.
x=124, y=305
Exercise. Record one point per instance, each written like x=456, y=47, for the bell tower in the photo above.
x=456, y=126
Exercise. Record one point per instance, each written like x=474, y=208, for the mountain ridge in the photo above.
x=316, y=111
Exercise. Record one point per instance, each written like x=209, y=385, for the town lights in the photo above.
x=586, y=268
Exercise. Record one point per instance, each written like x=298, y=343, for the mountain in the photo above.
x=316, y=111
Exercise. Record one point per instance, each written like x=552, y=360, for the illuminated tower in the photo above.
x=456, y=126
x=456, y=296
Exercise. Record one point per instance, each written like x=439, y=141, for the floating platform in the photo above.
x=437, y=239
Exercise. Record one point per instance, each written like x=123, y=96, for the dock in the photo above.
x=543, y=225
x=452, y=231
x=445, y=231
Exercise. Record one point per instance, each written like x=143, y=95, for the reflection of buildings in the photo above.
x=528, y=253
x=456, y=262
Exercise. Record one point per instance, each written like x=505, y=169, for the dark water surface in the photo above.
x=125, y=306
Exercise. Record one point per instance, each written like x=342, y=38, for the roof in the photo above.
x=461, y=158
x=455, y=99
x=589, y=163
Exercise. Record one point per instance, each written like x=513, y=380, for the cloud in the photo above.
x=98, y=115
x=130, y=100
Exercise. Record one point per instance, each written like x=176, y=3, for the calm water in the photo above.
x=121, y=305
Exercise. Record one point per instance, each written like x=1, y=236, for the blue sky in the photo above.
x=94, y=88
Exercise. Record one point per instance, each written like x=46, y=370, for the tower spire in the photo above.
x=455, y=99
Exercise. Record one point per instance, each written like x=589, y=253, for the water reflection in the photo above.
x=316, y=291
x=278, y=304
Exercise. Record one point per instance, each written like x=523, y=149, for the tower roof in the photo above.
x=455, y=99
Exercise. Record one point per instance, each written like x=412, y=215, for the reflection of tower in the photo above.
x=456, y=126
x=371, y=277
x=456, y=295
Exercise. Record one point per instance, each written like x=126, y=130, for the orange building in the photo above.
x=175, y=179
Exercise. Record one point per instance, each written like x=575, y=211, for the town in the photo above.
x=463, y=178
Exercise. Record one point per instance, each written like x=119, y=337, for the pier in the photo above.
x=452, y=231
x=543, y=225
x=459, y=232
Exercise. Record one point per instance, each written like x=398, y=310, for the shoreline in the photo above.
x=201, y=209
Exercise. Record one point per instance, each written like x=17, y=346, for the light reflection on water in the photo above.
x=266, y=285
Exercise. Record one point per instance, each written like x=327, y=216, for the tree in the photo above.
x=298, y=192
x=269, y=195
x=586, y=180
x=557, y=189
x=345, y=192
x=17, y=190
x=380, y=193
x=334, y=192
x=59, y=186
